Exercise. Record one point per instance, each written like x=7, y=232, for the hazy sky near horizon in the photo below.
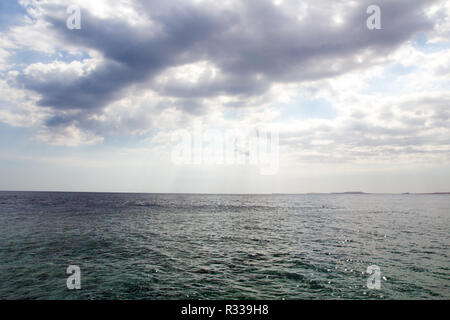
x=95, y=109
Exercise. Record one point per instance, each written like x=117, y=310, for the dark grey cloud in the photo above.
x=131, y=56
x=254, y=44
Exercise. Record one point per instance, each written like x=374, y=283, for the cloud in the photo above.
x=251, y=44
x=410, y=128
x=140, y=66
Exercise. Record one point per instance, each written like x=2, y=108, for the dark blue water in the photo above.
x=148, y=246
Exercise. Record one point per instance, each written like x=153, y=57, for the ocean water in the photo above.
x=154, y=246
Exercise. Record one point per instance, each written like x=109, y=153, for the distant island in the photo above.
x=349, y=192
x=436, y=193
x=426, y=193
x=346, y=192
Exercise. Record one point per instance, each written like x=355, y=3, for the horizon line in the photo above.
x=231, y=193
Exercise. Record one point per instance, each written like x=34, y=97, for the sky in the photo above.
x=106, y=100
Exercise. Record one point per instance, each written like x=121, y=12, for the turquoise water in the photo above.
x=149, y=246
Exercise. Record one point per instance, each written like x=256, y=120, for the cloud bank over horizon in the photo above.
x=347, y=101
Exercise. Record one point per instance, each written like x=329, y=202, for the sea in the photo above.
x=206, y=246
